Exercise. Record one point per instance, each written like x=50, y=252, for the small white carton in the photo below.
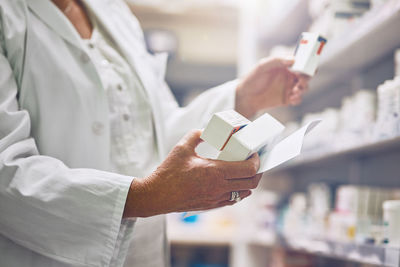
x=308, y=52
x=222, y=126
x=251, y=138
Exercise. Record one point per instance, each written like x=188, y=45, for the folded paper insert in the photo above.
x=237, y=138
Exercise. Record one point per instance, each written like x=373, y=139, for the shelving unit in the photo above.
x=386, y=146
x=197, y=64
x=361, y=45
x=189, y=236
x=378, y=255
x=366, y=42
x=359, y=253
x=285, y=31
x=185, y=12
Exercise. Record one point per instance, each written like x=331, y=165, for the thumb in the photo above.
x=191, y=140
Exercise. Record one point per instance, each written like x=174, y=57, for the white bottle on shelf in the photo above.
x=391, y=218
x=387, y=124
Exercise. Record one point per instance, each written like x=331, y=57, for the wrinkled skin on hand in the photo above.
x=187, y=182
x=270, y=84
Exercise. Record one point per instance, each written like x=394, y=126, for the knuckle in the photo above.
x=220, y=174
x=193, y=132
x=253, y=170
x=260, y=65
x=215, y=192
x=180, y=147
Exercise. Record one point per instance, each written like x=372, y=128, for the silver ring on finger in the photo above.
x=235, y=196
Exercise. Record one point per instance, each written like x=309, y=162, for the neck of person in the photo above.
x=76, y=12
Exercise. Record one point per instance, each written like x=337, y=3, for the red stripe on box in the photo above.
x=320, y=48
x=235, y=130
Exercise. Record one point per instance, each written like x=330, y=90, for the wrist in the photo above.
x=136, y=204
x=242, y=103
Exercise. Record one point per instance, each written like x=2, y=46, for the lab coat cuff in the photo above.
x=230, y=93
x=116, y=237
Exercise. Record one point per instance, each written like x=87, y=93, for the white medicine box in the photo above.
x=222, y=126
x=251, y=138
x=308, y=52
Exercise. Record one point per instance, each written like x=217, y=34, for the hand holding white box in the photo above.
x=308, y=52
x=262, y=136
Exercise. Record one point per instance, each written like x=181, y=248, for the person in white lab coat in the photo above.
x=85, y=119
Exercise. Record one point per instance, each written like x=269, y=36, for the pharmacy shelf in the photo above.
x=352, y=252
x=207, y=13
x=193, y=235
x=372, y=149
x=287, y=28
x=200, y=240
x=371, y=38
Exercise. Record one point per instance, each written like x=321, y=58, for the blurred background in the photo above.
x=339, y=203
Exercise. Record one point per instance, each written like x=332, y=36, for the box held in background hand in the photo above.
x=222, y=126
x=308, y=52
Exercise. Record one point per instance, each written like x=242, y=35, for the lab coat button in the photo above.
x=97, y=128
x=119, y=87
x=126, y=117
x=105, y=63
x=85, y=58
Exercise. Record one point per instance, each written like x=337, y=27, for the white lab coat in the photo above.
x=58, y=204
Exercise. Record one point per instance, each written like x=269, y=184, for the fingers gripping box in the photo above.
x=222, y=126
x=308, y=52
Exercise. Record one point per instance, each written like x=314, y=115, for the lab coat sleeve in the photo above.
x=180, y=120
x=70, y=215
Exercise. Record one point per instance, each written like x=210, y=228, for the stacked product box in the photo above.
x=332, y=17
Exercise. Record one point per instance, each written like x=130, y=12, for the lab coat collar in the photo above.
x=55, y=19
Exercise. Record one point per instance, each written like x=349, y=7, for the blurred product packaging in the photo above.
x=391, y=224
x=397, y=63
x=357, y=115
x=365, y=117
x=388, y=123
x=357, y=216
x=263, y=214
x=320, y=140
x=332, y=17
x=295, y=216
x=319, y=202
